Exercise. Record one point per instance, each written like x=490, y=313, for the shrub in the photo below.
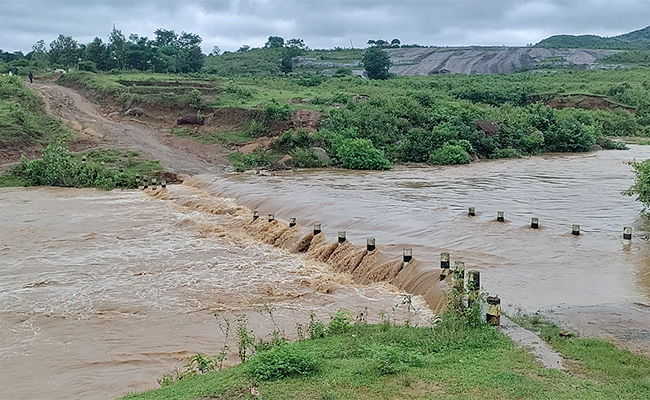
x=290, y=140
x=310, y=80
x=274, y=111
x=87, y=66
x=610, y=144
x=360, y=154
x=306, y=158
x=340, y=322
x=256, y=129
x=259, y=158
x=641, y=186
x=280, y=362
x=508, y=152
x=569, y=135
x=316, y=328
x=59, y=168
x=449, y=154
x=532, y=143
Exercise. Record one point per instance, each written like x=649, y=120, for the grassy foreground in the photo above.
x=452, y=360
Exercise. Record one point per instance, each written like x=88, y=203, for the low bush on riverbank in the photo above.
x=106, y=169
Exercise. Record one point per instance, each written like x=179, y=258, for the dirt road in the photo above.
x=111, y=130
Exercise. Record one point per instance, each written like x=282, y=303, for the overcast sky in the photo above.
x=322, y=23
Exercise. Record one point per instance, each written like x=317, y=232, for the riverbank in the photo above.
x=448, y=361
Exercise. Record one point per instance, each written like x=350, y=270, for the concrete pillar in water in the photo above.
x=575, y=229
x=292, y=222
x=444, y=265
x=271, y=217
x=407, y=255
x=256, y=215
x=341, y=236
x=534, y=223
x=627, y=235
x=493, y=314
x=163, y=184
x=137, y=180
x=145, y=182
x=473, y=286
x=317, y=229
x=471, y=212
x=370, y=244
x=500, y=217
x=153, y=183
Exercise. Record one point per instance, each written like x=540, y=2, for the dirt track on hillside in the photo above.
x=111, y=130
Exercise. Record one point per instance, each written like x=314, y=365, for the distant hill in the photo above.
x=636, y=40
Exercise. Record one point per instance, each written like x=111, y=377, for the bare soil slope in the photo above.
x=176, y=154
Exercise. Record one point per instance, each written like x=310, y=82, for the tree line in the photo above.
x=168, y=52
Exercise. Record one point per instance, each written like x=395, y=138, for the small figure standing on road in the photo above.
x=31, y=77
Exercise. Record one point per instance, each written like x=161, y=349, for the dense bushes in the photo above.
x=106, y=169
x=641, y=187
x=449, y=154
x=360, y=154
x=59, y=168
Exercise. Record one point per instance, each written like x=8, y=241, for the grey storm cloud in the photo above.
x=323, y=23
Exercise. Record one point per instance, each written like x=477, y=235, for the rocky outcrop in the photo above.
x=322, y=156
x=488, y=127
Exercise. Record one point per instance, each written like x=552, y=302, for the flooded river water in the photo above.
x=103, y=292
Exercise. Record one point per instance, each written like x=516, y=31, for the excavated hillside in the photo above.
x=489, y=60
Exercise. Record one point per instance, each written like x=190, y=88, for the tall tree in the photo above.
x=376, y=63
x=286, y=64
x=97, y=52
x=164, y=37
x=64, y=51
x=39, y=55
x=188, y=40
x=274, y=42
x=116, y=45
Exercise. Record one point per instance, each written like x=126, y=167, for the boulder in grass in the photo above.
x=488, y=127
x=190, y=120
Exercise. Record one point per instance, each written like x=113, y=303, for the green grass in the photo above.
x=225, y=138
x=131, y=162
x=449, y=361
x=23, y=121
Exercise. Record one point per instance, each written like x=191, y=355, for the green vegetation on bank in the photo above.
x=402, y=119
x=25, y=125
x=23, y=121
x=457, y=358
x=105, y=169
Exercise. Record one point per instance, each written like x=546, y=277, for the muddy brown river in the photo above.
x=101, y=293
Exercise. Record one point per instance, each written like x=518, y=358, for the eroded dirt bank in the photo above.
x=179, y=155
